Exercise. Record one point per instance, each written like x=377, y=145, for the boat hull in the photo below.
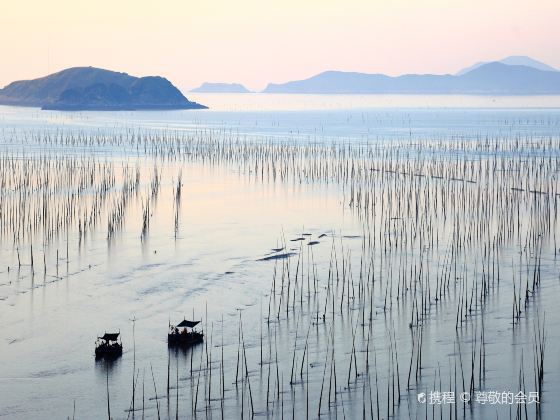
x=108, y=352
x=184, y=339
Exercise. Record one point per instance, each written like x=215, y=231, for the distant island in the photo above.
x=494, y=78
x=90, y=88
x=221, y=88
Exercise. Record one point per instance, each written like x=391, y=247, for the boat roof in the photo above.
x=110, y=336
x=189, y=324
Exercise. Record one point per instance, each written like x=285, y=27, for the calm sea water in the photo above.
x=207, y=264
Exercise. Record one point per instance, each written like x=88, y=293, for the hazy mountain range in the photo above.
x=514, y=60
x=90, y=88
x=494, y=78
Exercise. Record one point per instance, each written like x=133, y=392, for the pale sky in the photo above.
x=259, y=41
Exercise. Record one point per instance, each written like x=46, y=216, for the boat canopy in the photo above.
x=110, y=336
x=188, y=324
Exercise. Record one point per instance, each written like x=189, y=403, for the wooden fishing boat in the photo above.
x=108, y=346
x=184, y=334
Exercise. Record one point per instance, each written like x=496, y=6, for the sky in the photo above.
x=255, y=42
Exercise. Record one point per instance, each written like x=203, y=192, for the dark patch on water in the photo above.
x=53, y=372
x=278, y=256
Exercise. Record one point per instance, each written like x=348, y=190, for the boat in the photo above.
x=108, y=346
x=184, y=334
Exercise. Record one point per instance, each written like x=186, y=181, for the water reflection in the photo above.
x=107, y=366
